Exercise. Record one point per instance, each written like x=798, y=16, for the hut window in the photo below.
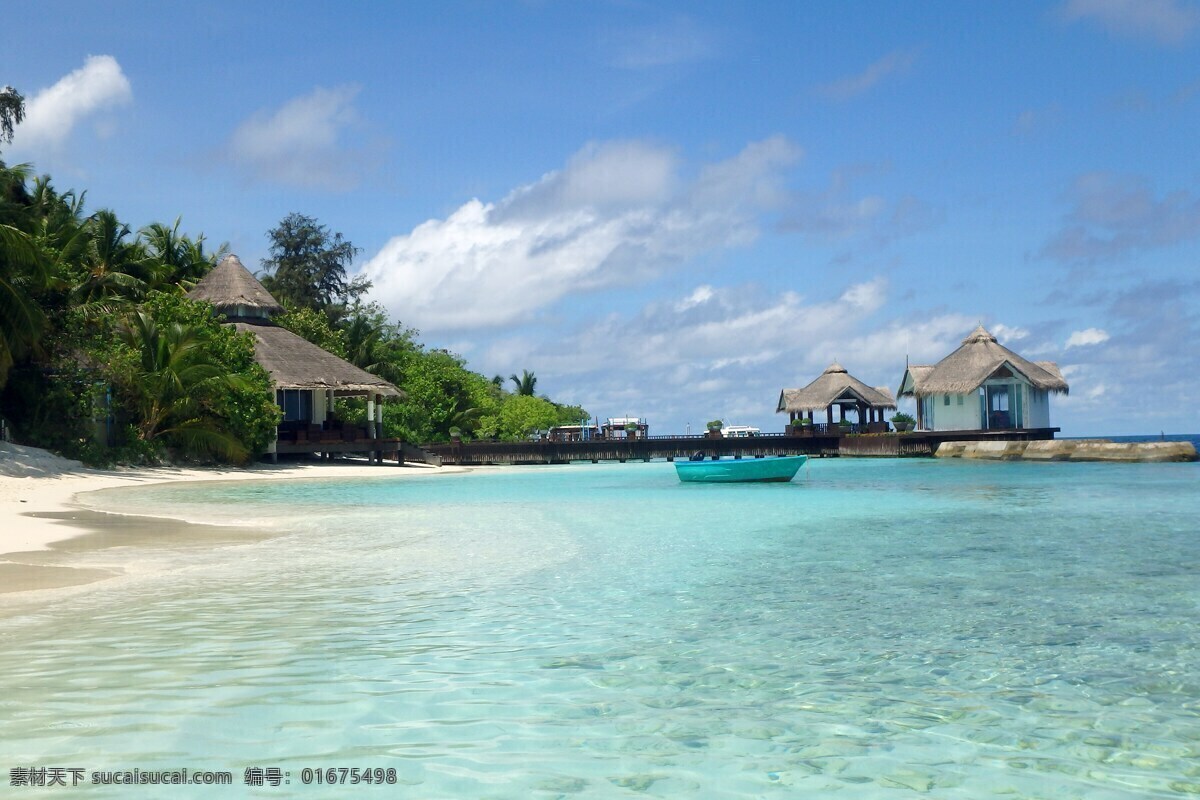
x=296, y=404
x=960, y=399
x=946, y=400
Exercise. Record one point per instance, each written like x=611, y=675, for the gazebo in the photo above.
x=307, y=379
x=983, y=386
x=836, y=388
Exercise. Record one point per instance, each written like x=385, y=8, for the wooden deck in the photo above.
x=822, y=445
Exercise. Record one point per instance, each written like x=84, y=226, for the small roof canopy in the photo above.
x=978, y=358
x=834, y=386
x=230, y=285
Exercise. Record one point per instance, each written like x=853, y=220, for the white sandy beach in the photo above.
x=38, y=488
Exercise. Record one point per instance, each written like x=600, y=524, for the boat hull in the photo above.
x=743, y=470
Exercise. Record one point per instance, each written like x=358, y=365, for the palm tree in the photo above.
x=114, y=268
x=182, y=260
x=21, y=318
x=167, y=386
x=526, y=383
x=462, y=416
x=367, y=347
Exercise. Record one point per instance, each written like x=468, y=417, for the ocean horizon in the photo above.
x=957, y=629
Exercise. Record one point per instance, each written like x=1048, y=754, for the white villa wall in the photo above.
x=955, y=417
x=1037, y=408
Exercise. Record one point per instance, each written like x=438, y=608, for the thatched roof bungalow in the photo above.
x=234, y=292
x=307, y=379
x=836, y=388
x=983, y=386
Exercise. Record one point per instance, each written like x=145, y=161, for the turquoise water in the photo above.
x=878, y=628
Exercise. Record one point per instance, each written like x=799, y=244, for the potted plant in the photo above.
x=801, y=427
x=903, y=422
x=714, y=428
x=631, y=430
x=845, y=426
x=456, y=434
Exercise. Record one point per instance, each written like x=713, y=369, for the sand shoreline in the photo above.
x=40, y=513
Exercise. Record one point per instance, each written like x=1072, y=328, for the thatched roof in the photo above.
x=977, y=359
x=833, y=385
x=230, y=285
x=296, y=363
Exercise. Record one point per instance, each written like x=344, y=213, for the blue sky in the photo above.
x=675, y=210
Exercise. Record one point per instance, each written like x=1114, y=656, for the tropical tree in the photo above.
x=314, y=326
x=523, y=414
x=182, y=261
x=21, y=318
x=377, y=346
x=441, y=393
x=526, y=383
x=169, y=377
x=307, y=267
x=112, y=267
x=12, y=111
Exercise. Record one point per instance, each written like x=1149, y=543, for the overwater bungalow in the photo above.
x=983, y=386
x=308, y=380
x=836, y=388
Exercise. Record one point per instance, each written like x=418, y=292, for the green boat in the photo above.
x=740, y=470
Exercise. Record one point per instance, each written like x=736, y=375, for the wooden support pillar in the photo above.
x=370, y=416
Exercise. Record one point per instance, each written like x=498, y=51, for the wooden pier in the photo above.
x=823, y=445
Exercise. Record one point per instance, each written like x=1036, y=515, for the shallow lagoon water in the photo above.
x=874, y=629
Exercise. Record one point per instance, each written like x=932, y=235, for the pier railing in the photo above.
x=817, y=443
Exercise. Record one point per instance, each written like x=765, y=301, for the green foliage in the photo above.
x=12, y=112
x=21, y=317
x=526, y=383
x=523, y=414
x=55, y=409
x=441, y=393
x=715, y=425
x=310, y=324
x=176, y=259
x=376, y=345
x=307, y=267
x=903, y=418
x=241, y=402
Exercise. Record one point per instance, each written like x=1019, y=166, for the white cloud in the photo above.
x=1087, y=337
x=893, y=63
x=1006, y=333
x=725, y=351
x=1164, y=21
x=88, y=93
x=302, y=143
x=702, y=294
x=616, y=214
